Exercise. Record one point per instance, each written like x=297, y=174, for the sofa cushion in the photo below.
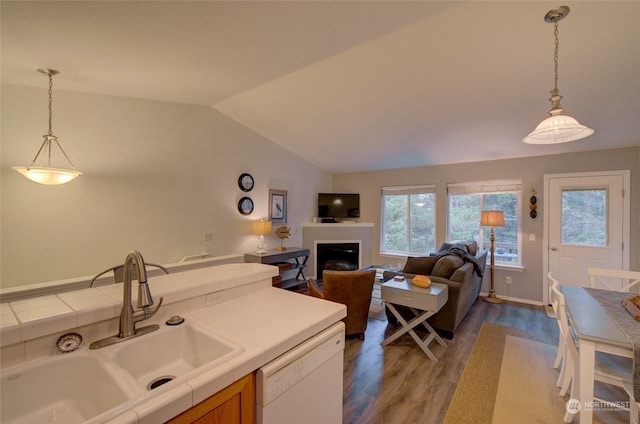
x=446, y=265
x=420, y=265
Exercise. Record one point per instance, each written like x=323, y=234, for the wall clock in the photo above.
x=245, y=182
x=245, y=206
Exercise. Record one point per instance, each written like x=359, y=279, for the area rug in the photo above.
x=509, y=377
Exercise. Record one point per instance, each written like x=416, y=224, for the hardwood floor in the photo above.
x=399, y=384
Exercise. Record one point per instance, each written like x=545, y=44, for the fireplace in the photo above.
x=337, y=255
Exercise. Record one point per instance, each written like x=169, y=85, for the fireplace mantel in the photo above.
x=336, y=232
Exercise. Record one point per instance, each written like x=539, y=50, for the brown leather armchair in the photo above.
x=351, y=288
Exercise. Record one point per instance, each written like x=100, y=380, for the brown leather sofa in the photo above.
x=351, y=288
x=456, y=269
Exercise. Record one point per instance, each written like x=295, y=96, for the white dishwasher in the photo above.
x=304, y=385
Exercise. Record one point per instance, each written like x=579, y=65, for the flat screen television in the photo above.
x=338, y=205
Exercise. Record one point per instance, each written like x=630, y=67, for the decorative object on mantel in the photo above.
x=282, y=233
x=557, y=128
x=278, y=206
x=245, y=206
x=40, y=170
x=533, y=200
x=261, y=228
x=492, y=219
x=245, y=182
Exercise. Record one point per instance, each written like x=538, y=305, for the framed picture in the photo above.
x=278, y=206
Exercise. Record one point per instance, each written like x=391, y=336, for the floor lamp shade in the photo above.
x=492, y=219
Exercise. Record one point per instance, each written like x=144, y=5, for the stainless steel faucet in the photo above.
x=129, y=317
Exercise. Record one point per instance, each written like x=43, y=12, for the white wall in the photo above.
x=526, y=284
x=157, y=176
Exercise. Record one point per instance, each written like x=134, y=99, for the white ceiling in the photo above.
x=351, y=86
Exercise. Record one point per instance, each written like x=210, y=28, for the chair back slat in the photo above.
x=613, y=279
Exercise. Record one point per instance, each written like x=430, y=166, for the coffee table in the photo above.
x=423, y=302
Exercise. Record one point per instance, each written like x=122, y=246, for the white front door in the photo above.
x=587, y=225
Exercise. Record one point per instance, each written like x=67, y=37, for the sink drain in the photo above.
x=157, y=382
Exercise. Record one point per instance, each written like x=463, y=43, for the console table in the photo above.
x=296, y=257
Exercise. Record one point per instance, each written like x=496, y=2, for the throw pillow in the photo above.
x=472, y=247
x=446, y=265
x=420, y=265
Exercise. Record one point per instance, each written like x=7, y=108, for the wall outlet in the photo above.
x=508, y=280
x=207, y=236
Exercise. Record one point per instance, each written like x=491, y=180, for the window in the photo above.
x=584, y=217
x=466, y=201
x=408, y=220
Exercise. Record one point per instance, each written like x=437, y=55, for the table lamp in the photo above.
x=492, y=219
x=261, y=228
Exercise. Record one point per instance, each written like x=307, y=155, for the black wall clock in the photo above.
x=245, y=206
x=245, y=182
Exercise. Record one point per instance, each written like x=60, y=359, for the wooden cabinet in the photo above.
x=291, y=263
x=235, y=404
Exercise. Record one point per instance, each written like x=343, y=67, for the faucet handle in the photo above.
x=148, y=312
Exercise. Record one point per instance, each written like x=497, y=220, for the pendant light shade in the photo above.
x=558, y=128
x=40, y=169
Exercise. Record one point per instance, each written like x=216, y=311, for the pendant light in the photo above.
x=40, y=170
x=558, y=128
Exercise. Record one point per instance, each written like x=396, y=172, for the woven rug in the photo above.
x=509, y=377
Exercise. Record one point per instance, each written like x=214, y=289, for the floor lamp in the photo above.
x=492, y=219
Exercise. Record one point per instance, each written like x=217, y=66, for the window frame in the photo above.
x=408, y=191
x=490, y=187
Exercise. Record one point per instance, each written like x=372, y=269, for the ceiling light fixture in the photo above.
x=557, y=128
x=40, y=170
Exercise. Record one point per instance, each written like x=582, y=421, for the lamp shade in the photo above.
x=558, y=129
x=261, y=227
x=48, y=176
x=492, y=219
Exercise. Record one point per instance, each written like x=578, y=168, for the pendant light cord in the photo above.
x=555, y=59
x=51, y=103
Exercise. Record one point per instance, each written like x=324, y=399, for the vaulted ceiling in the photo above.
x=350, y=85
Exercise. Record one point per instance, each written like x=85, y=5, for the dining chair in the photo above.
x=634, y=406
x=351, y=288
x=613, y=279
x=611, y=369
x=564, y=379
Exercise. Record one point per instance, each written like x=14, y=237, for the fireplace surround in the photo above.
x=337, y=255
x=360, y=232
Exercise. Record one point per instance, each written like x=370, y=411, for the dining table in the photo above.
x=596, y=330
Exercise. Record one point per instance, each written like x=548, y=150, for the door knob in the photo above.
x=554, y=248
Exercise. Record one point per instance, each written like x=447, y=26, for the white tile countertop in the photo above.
x=235, y=301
